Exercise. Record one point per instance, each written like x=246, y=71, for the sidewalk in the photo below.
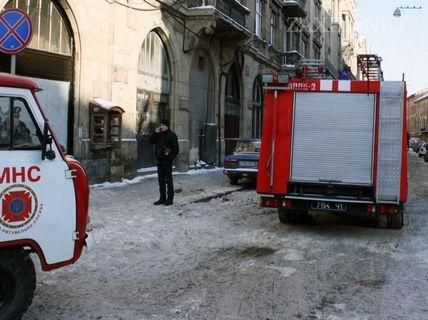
x=190, y=186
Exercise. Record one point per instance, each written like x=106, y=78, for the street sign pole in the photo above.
x=13, y=64
x=16, y=32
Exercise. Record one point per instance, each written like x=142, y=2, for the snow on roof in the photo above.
x=105, y=104
x=424, y=96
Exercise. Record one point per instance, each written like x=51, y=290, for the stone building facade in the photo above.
x=196, y=62
x=417, y=114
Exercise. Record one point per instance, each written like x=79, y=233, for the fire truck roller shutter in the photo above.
x=333, y=138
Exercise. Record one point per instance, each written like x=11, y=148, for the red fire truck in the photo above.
x=335, y=145
x=43, y=197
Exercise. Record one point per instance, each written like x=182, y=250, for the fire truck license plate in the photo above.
x=328, y=206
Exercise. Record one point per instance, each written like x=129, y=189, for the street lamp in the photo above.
x=397, y=11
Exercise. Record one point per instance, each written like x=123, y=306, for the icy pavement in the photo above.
x=227, y=258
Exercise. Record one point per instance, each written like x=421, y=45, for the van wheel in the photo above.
x=292, y=216
x=17, y=283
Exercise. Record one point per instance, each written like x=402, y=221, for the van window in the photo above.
x=17, y=127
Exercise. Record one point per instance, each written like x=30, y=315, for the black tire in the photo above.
x=284, y=215
x=17, y=283
x=396, y=221
x=292, y=216
x=233, y=180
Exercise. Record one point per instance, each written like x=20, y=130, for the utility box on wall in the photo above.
x=105, y=123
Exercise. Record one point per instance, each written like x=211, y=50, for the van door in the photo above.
x=37, y=197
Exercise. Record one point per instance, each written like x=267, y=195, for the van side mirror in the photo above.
x=47, y=152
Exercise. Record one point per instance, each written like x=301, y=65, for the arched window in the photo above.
x=153, y=89
x=50, y=30
x=153, y=58
x=49, y=60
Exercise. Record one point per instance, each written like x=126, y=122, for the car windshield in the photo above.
x=247, y=146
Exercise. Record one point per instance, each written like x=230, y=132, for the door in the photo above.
x=37, y=200
x=333, y=138
x=232, y=110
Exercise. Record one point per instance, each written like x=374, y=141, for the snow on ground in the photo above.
x=229, y=259
x=138, y=179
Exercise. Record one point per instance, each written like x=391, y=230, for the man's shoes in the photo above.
x=168, y=203
x=160, y=201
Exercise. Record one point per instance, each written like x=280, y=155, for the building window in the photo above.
x=295, y=44
x=259, y=18
x=317, y=10
x=317, y=52
x=153, y=58
x=50, y=31
x=285, y=38
x=344, y=27
x=273, y=28
x=305, y=43
x=257, y=109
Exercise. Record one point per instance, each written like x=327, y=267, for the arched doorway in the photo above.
x=49, y=60
x=232, y=111
x=202, y=128
x=153, y=89
x=257, y=109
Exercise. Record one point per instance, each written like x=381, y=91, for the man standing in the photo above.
x=166, y=149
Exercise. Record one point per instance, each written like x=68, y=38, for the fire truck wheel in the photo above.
x=292, y=216
x=17, y=283
x=396, y=221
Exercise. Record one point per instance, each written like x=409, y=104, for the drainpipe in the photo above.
x=220, y=78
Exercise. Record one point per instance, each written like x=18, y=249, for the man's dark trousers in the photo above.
x=165, y=180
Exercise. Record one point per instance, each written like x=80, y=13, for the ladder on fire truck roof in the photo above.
x=369, y=67
x=295, y=63
x=318, y=69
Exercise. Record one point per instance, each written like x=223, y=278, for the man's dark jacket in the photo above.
x=166, y=145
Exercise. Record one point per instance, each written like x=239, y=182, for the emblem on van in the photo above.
x=19, y=207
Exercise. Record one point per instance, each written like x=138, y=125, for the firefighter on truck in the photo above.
x=335, y=145
x=43, y=197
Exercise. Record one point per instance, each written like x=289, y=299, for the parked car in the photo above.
x=422, y=150
x=426, y=157
x=413, y=141
x=244, y=160
x=418, y=145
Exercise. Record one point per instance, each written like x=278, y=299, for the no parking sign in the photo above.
x=16, y=31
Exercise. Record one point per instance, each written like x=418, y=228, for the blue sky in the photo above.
x=401, y=42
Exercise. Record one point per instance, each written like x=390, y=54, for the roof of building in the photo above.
x=422, y=97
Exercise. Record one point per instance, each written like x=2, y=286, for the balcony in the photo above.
x=228, y=17
x=294, y=8
x=290, y=59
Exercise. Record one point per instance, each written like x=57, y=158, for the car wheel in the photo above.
x=17, y=283
x=233, y=180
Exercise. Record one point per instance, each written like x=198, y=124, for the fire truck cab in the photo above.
x=335, y=145
x=43, y=196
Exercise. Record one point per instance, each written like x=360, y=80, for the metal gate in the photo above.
x=333, y=138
